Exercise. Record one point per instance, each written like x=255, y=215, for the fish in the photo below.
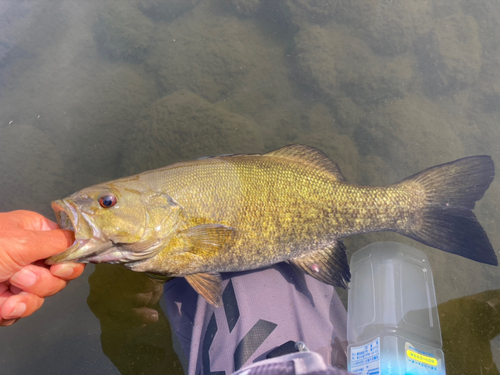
x=200, y=218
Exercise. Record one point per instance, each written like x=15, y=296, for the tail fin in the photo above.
x=448, y=222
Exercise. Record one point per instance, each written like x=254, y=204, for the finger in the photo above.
x=67, y=271
x=157, y=293
x=143, y=299
x=37, y=280
x=33, y=246
x=28, y=220
x=15, y=290
x=20, y=306
x=145, y=315
x=8, y=322
x=3, y=287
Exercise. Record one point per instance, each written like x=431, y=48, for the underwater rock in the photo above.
x=183, y=126
x=90, y=124
x=31, y=168
x=311, y=11
x=487, y=16
x=123, y=32
x=114, y=94
x=349, y=115
x=338, y=64
x=103, y=114
x=246, y=7
x=388, y=27
x=211, y=55
x=445, y=8
x=89, y=99
x=450, y=55
x=411, y=130
x=166, y=10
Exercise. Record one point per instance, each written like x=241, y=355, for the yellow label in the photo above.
x=421, y=358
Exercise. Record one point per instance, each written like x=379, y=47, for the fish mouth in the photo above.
x=63, y=219
x=88, y=247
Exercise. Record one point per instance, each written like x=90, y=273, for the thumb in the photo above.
x=51, y=242
x=21, y=250
x=26, y=220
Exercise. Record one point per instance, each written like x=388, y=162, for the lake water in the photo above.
x=95, y=90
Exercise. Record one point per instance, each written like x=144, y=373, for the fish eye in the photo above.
x=108, y=200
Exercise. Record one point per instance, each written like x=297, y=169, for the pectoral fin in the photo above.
x=328, y=265
x=208, y=285
x=206, y=237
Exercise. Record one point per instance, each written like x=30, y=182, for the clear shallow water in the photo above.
x=91, y=91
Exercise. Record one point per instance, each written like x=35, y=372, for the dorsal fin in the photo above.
x=308, y=155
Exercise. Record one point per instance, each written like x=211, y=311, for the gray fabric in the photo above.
x=262, y=310
x=301, y=363
x=286, y=368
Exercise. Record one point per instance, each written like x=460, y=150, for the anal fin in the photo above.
x=208, y=285
x=328, y=265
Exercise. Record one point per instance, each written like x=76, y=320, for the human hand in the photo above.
x=26, y=238
x=122, y=298
x=132, y=321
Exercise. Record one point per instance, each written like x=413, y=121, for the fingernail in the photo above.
x=23, y=278
x=18, y=311
x=63, y=272
x=153, y=316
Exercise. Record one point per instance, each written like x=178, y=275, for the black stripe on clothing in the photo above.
x=230, y=306
x=251, y=342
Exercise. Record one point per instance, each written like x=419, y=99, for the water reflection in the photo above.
x=137, y=338
x=135, y=334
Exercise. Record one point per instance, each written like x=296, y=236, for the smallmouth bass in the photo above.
x=241, y=212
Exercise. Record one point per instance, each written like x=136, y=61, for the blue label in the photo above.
x=365, y=359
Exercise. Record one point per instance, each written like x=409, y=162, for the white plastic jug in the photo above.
x=392, y=322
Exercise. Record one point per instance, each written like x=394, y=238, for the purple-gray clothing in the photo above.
x=262, y=310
